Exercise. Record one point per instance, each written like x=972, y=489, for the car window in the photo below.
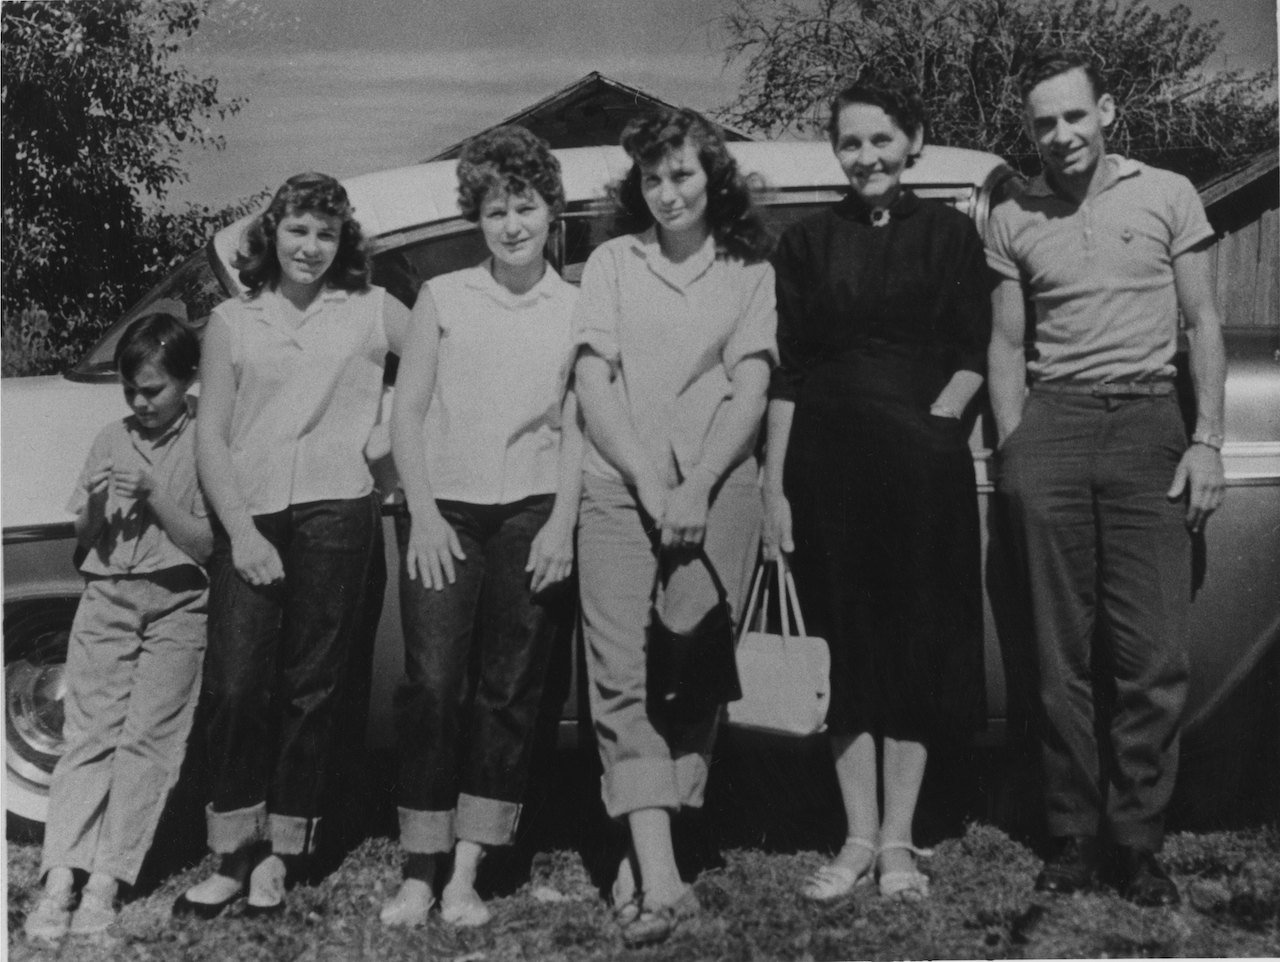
x=191, y=292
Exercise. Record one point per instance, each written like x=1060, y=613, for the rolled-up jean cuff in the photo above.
x=232, y=831
x=487, y=820
x=292, y=834
x=691, y=778
x=426, y=833
x=640, y=783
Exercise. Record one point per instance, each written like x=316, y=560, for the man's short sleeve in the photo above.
x=595, y=316
x=1188, y=223
x=999, y=242
x=757, y=329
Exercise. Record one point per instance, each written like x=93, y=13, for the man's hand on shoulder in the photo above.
x=1200, y=477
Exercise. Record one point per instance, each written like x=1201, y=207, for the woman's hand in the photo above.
x=256, y=559
x=684, y=524
x=433, y=546
x=777, y=524
x=551, y=553
x=653, y=495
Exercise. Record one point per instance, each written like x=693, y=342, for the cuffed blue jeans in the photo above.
x=275, y=661
x=1084, y=480
x=650, y=762
x=476, y=654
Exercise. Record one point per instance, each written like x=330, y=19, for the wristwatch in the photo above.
x=1208, y=440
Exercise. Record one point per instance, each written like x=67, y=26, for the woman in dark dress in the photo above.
x=883, y=319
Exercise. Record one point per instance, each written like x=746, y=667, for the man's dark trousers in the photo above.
x=1084, y=479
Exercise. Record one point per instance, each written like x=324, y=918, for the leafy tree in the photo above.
x=94, y=117
x=964, y=56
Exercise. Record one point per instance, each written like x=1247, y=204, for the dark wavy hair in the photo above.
x=733, y=219
x=163, y=338
x=509, y=160
x=1049, y=63
x=309, y=193
x=902, y=103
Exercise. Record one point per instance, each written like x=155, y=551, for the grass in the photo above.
x=983, y=906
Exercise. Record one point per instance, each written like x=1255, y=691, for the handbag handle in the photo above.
x=787, y=597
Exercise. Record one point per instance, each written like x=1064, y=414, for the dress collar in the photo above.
x=856, y=209
x=480, y=278
x=680, y=275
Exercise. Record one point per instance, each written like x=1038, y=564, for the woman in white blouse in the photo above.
x=485, y=437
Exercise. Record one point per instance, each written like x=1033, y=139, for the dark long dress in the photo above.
x=872, y=323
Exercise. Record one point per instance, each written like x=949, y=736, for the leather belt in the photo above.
x=1105, y=388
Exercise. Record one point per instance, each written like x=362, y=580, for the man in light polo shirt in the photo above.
x=1096, y=471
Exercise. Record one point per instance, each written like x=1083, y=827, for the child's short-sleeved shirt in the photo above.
x=307, y=396
x=1100, y=273
x=673, y=334
x=132, y=541
x=493, y=424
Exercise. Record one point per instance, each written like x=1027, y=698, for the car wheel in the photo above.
x=35, y=652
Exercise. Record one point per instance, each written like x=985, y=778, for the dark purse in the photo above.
x=689, y=675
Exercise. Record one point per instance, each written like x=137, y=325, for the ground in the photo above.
x=983, y=906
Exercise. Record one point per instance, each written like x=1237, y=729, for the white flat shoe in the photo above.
x=410, y=906
x=910, y=885
x=465, y=910
x=834, y=880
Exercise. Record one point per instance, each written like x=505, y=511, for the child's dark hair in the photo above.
x=1049, y=63
x=304, y=194
x=162, y=338
x=511, y=160
x=733, y=219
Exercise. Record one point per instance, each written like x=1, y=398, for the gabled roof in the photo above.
x=1263, y=164
x=590, y=112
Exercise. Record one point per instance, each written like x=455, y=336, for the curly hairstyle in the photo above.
x=309, y=193
x=1049, y=63
x=507, y=160
x=902, y=103
x=734, y=221
x=160, y=337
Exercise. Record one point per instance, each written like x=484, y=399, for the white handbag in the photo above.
x=786, y=678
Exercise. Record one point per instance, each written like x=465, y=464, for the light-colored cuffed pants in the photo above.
x=133, y=674
x=650, y=764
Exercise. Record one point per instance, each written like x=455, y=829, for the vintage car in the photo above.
x=416, y=232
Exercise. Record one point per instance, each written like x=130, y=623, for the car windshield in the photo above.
x=191, y=292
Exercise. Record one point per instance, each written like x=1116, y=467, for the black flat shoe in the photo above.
x=252, y=911
x=1073, y=867
x=1144, y=880
x=183, y=907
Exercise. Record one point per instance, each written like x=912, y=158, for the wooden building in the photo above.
x=590, y=112
x=1244, y=208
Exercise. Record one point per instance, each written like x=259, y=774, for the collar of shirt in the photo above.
x=267, y=308
x=679, y=276
x=149, y=447
x=1118, y=168
x=481, y=279
x=855, y=208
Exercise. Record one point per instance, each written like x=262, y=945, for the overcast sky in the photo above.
x=347, y=86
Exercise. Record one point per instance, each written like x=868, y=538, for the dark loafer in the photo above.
x=1073, y=866
x=184, y=907
x=1144, y=880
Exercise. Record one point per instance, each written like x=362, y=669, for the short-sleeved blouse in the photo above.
x=918, y=285
x=306, y=396
x=674, y=333
x=493, y=424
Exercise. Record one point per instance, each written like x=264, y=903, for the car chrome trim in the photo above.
x=26, y=533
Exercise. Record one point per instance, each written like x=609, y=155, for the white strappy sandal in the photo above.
x=911, y=885
x=833, y=880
